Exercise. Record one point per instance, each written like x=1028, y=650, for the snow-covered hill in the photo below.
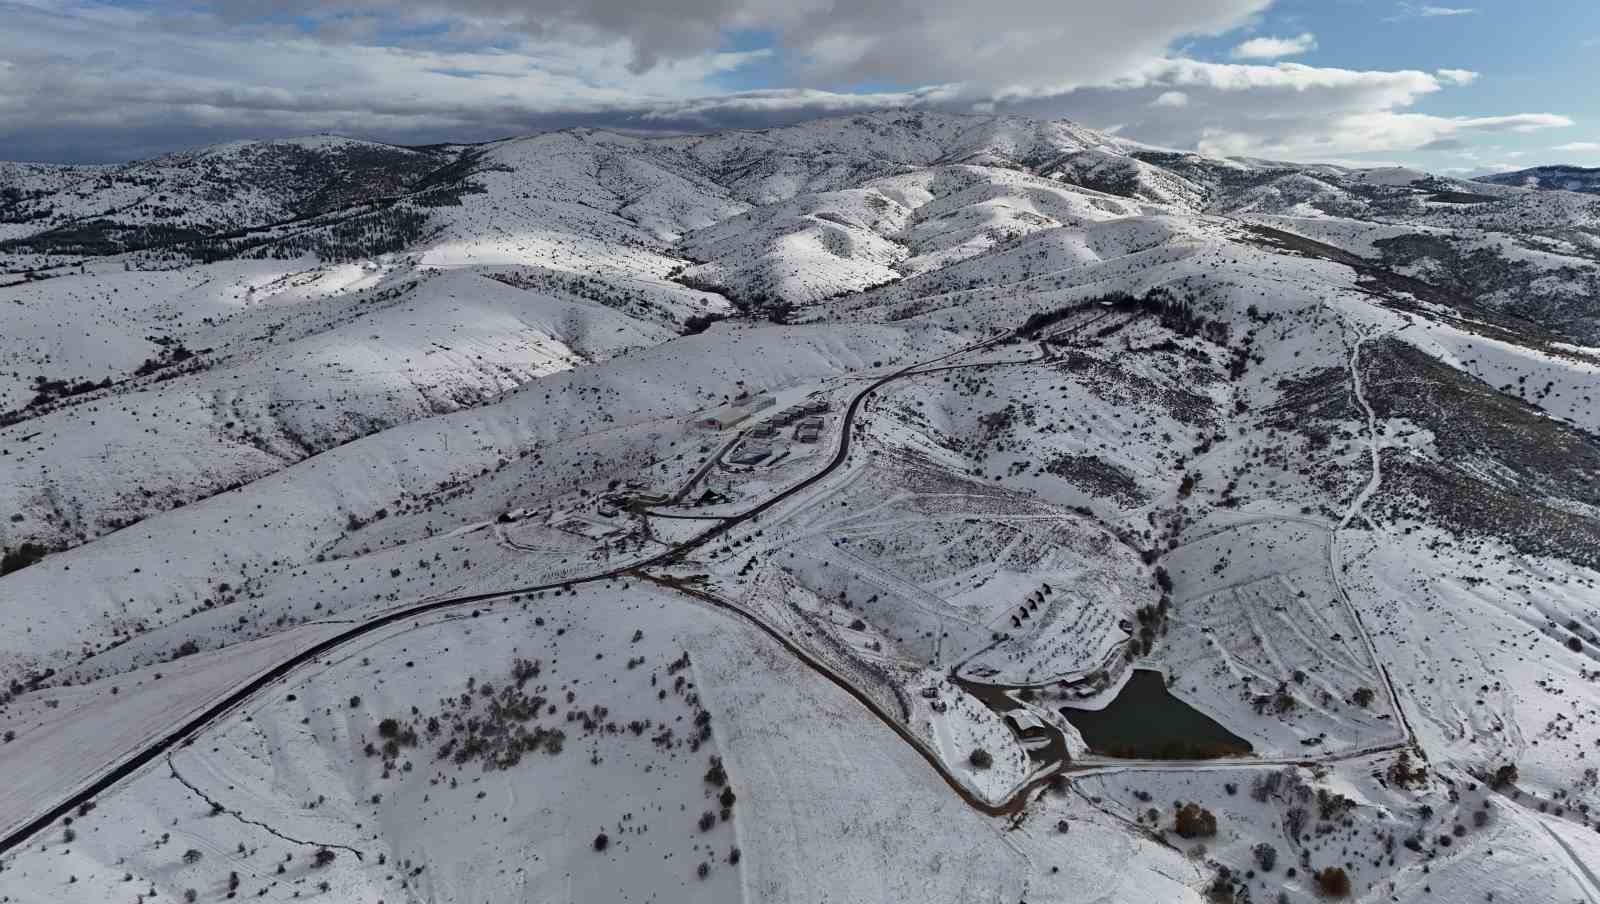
x=661, y=488
x=1550, y=178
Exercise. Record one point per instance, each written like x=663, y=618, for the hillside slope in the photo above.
x=1550, y=178
x=572, y=516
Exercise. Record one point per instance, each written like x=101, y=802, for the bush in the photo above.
x=21, y=557
x=323, y=857
x=1332, y=881
x=1402, y=774
x=192, y=856
x=1264, y=786
x=698, y=323
x=707, y=820
x=717, y=775
x=1266, y=856
x=980, y=759
x=355, y=702
x=1294, y=821
x=1504, y=776
x=1363, y=696
x=1195, y=821
x=388, y=728
x=601, y=842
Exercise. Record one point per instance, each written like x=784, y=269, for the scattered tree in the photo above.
x=1332, y=881
x=1505, y=776
x=1195, y=821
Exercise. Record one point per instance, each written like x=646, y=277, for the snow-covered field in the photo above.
x=1317, y=444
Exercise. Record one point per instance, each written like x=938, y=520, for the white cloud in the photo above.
x=1516, y=122
x=113, y=82
x=1583, y=146
x=165, y=72
x=1456, y=76
x=1286, y=110
x=1273, y=48
x=1428, y=11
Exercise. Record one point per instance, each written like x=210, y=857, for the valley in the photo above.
x=991, y=507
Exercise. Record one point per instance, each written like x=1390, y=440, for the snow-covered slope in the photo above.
x=890, y=507
x=1559, y=178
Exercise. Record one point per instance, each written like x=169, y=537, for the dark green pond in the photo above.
x=1146, y=722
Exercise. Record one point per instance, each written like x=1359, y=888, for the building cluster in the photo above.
x=735, y=412
x=805, y=418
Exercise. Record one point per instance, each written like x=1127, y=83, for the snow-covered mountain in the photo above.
x=792, y=516
x=1553, y=178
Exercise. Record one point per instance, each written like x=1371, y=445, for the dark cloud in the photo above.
x=104, y=83
x=907, y=41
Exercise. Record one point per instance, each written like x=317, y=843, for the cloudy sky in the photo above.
x=1472, y=86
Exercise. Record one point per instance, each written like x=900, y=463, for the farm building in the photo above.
x=724, y=416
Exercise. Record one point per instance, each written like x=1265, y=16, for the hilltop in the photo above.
x=1550, y=178
x=577, y=514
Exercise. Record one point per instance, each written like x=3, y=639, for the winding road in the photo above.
x=153, y=750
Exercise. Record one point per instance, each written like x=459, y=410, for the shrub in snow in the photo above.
x=1504, y=776
x=1195, y=821
x=717, y=775
x=1332, y=881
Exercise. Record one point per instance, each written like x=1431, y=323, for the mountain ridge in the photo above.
x=1553, y=177
x=659, y=486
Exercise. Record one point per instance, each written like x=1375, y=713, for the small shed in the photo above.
x=1024, y=722
x=750, y=455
